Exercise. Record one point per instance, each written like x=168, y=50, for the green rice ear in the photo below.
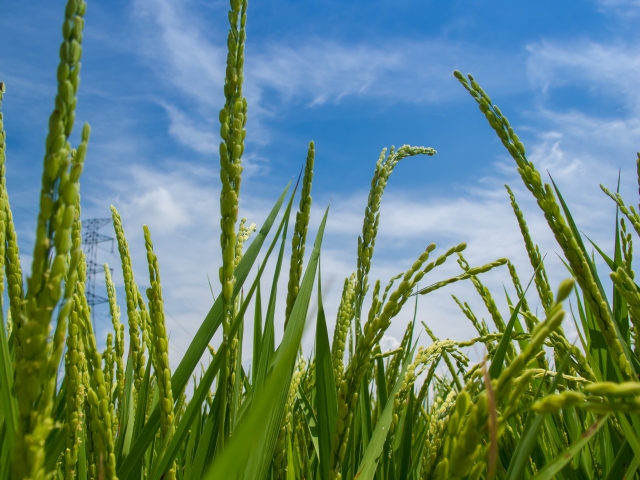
x=562, y=226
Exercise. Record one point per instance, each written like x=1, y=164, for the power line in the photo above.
x=90, y=240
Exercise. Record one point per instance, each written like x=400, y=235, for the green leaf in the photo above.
x=199, y=344
x=369, y=462
x=161, y=464
x=549, y=471
x=529, y=438
x=622, y=462
x=326, y=396
x=405, y=447
x=207, y=444
x=250, y=450
x=257, y=333
x=7, y=400
x=310, y=419
x=214, y=318
x=54, y=448
x=497, y=361
x=596, y=278
x=267, y=346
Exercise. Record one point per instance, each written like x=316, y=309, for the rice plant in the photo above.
x=347, y=411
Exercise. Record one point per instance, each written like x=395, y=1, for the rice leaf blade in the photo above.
x=549, y=471
x=207, y=329
x=7, y=399
x=326, y=396
x=163, y=463
x=369, y=463
x=257, y=430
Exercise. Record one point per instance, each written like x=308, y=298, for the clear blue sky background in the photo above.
x=355, y=77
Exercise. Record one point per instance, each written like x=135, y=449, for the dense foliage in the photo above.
x=537, y=406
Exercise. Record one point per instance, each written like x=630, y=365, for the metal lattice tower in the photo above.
x=90, y=240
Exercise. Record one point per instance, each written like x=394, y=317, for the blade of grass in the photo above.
x=369, y=462
x=622, y=462
x=7, y=400
x=405, y=447
x=267, y=346
x=326, y=396
x=257, y=333
x=251, y=448
x=310, y=419
x=529, y=438
x=596, y=278
x=206, y=446
x=497, y=361
x=549, y=471
x=199, y=344
x=166, y=459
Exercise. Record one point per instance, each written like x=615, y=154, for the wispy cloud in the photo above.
x=305, y=74
x=160, y=184
x=624, y=8
x=608, y=69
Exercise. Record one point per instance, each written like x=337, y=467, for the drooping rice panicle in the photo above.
x=627, y=211
x=515, y=279
x=445, y=357
x=424, y=358
x=367, y=241
x=485, y=294
x=373, y=331
x=626, y=242
x=629, y=290
x=462, y=446
x=299, y=238
x=473, y=271
x=393, y=368
x=438, y=424
x=540, y=279
x=546, y=199
x=480, y=327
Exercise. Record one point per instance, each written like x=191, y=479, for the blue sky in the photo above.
x=355, y=77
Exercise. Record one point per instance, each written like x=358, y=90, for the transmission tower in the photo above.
x=90, y=240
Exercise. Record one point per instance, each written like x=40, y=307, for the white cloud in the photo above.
x=180, y=51
x=308, y=73
x=625, y=9
x=608, y=69
x=202, y=138
x=185, y=198
x=179, y=201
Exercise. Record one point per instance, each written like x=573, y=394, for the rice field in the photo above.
x=537, y=405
